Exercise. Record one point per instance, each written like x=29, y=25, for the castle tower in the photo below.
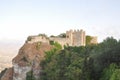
x=82, y=38
x=69, y=37
x=76, y=38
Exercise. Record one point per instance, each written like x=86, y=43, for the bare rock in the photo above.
x=8, y=75
x=29, y=58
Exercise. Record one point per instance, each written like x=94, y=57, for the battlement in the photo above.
x=32, y=39
x=76, y=37
x=73, y=38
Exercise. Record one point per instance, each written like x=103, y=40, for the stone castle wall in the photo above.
x=62, y=41
x=94, y=40
x=38, y=39
x=73, y=38
x=77, y=38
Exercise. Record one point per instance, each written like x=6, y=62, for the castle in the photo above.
x=72, y=38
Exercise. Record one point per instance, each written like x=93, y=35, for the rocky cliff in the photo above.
x=7, y=74
x=27, y=60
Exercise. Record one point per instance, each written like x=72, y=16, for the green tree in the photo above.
x=30, y=76
x=62, y=35
x=116, y=75
x=107, y=72
x=92, y=62
x=88, y=39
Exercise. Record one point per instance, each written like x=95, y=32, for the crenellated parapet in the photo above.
x=73, y=38
x=76, y=37
x=40, y=38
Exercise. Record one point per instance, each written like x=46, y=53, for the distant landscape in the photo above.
x=8, y=50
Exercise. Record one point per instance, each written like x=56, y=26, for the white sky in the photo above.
x=21, y=18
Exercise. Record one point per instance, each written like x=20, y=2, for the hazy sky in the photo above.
x=20, y=18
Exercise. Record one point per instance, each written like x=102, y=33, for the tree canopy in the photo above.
x=91, y=62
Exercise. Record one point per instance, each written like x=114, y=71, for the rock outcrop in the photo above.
x=28, y=59
x=8, y=74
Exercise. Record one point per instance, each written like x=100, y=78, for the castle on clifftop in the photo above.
x=71, y=38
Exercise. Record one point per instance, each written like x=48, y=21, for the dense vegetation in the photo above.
x=92, y=62
x=88, y=39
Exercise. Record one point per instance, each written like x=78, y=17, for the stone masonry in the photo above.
x=73, y=38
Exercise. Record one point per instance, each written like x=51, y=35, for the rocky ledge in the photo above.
x=28, y=59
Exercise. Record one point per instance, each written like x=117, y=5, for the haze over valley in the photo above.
x=8, y=50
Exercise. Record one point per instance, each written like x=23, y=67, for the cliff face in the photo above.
x=8, y=74
x=27, y=60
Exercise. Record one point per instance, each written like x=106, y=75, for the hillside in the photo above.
x=92, y=62
x=28, y=58
x=43, y=61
